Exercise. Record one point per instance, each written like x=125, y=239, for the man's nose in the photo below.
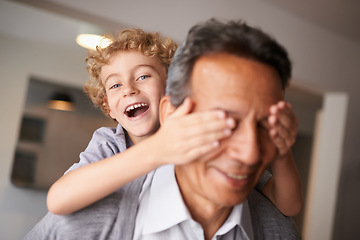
x=130, y=89
x=244, y=144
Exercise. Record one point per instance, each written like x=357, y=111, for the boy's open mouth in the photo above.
x=136, y=109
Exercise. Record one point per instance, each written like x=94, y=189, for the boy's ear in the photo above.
x=165, y=108
x=106, y=107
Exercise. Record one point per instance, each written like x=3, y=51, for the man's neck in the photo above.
x=211, y=221
x=210, y=216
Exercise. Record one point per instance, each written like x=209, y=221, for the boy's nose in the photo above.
x=244, y=145
x=129, y=90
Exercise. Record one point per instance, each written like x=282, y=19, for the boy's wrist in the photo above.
x=154, y=148
x=286, y=157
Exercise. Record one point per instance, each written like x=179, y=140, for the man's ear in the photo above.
x=165, y=108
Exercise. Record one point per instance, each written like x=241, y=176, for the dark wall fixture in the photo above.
x=57, y=124
x=61, y=101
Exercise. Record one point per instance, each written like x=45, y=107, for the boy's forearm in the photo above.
x=171, y=144
x=285, y=188
x=84, y=186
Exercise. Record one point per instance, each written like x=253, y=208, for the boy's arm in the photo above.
x=284, y=188
x=83, y=186
x=181, y=139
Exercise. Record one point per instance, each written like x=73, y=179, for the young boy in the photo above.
x=127, y=82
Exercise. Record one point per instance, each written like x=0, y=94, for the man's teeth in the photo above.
x=132, y=107
x=237, y=176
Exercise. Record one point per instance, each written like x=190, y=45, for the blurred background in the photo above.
x=40, y=61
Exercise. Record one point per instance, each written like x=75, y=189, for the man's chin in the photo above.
x=231, y=201
x=230, y=197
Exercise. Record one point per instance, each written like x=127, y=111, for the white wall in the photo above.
x=20, y=209
x=325, y=167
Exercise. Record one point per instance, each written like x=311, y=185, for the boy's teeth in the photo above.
x=132, y=107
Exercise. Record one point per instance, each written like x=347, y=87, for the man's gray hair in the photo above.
x=233, y=37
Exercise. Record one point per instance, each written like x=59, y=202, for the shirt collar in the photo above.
x=240, y=216
x=121, y=133
x=119, y=130
x=166, y=207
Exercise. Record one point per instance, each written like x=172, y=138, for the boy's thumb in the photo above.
x=184, y=109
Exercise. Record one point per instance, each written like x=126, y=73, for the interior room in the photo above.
x=41, y=61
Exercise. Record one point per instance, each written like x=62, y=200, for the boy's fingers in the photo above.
x=207, y=131
x=201, y=140
x=183, y=109
x=283, y=115
x=282, y=145
x=280, y=106
x=199, y=125
x=279, y=143
x=199, y=119
x=288, y=120
x=283, y=126
x=282, y=138
x=203, y=144
x=272, y=120
x=190, y=118
x=287, y=136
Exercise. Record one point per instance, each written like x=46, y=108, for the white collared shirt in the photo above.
x=162, y=213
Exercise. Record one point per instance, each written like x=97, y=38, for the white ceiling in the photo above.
x=172, y=18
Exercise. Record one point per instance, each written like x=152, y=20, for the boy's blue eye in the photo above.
x=143, y=77
x=115, y=86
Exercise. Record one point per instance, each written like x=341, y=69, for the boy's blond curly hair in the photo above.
x=147, y=43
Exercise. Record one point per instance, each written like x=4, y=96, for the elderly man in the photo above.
x=227, y=66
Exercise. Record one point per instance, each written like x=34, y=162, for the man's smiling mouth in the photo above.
x=136, y=109
x=237, y=176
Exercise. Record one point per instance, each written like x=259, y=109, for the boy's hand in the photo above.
x=186, y=136
x=283, y=126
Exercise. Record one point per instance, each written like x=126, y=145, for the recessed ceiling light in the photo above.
x=90, y=41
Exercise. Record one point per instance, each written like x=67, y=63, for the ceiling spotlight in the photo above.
x=61, y=101
x=91, y=41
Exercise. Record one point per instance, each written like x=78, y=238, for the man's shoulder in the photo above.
x=112, y=217
x=267, y=221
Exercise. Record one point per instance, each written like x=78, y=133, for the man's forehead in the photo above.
x=224, y=80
